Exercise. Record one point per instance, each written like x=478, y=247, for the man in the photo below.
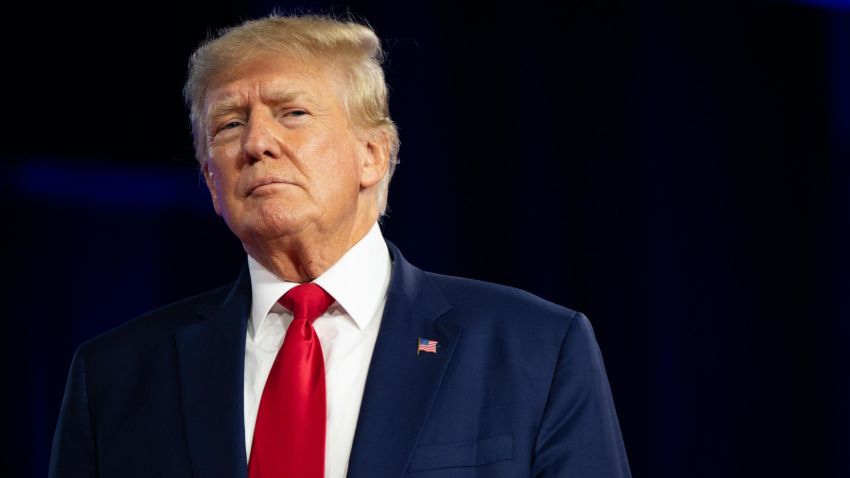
x=305, y=366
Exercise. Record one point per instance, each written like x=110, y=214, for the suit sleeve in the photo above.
x=73, y=451
x=579, y=434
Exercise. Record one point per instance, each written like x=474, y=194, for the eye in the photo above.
x=294, y=117
x=228, y=125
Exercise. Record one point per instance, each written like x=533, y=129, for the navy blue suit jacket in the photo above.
x=517, y=388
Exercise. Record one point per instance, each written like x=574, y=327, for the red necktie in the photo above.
x=289, y=438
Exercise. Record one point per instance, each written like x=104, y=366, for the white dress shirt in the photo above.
x=347, y=331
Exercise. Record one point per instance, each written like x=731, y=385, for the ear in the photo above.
x=376, y=158
x=210, y=180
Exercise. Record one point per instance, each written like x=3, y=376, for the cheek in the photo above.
x=338, y=173
x=225, y=168
x=223, y=153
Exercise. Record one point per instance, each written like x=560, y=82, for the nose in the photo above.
x=262, y=139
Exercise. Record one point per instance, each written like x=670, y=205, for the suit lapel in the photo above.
x=401, y=384
x=211, y=361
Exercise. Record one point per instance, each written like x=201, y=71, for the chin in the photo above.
x=270, y=223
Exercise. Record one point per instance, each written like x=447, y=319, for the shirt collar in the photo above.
x=357, y=281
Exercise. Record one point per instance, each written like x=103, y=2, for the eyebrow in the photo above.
x=231, y=104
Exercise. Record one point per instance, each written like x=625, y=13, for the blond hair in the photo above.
x=353, y=46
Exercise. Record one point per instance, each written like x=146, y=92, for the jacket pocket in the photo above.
x=467, y=453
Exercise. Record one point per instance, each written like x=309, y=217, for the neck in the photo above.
x=303, y=256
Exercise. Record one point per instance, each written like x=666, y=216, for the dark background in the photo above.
x=679, y=171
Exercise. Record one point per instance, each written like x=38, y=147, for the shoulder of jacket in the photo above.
x=474, y=297
x=156, y=324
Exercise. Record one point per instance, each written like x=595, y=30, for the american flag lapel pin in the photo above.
x=426, y=345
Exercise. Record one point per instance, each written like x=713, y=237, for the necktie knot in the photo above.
x=307, y=301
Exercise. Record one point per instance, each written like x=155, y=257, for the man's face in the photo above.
x=283, y=156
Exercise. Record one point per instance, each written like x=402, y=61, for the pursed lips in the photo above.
x=256, y=184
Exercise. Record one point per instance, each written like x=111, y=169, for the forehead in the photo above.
x=271, y=77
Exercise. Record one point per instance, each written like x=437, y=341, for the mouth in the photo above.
x=264, y=184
